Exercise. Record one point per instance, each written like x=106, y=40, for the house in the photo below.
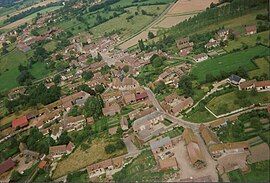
x=175, y=104
x=124, y=123
x=71, y=123
x=194, y=151
x=126, y=84
x=7, y=165
x=111, y=109
x=136, y=114
x=208, y=136
x=111, y=96
x=212, y=43
x=235, y=80
x=16, y=92
x=185, y=46
x=148, y=120
x=141, y=96
x=30, y=155
x=169, y=163
x=247, y=85
x=223, y=34
x=200, y=57
x=252, y=29
x=58, y=151
x=20, y=122
x=161, y=145
x=128, y=97
x=90, y=120
x=100, y=168
x=218, y=150
x=262, y=86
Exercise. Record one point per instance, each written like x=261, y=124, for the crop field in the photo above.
x=28, y=18
x=131, y=26
x=82, y=158
x=229, y=63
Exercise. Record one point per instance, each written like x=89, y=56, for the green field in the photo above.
x=229, y=63
x=80, y=176
x=199, y=115
x=247, y=40
x=9, y=69
x=50, y=46
x=259, y=173
x=263, y=68
x=230, y=101
x=141, y=169
x=132, y=26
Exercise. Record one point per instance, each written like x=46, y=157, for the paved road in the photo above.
x=168, y=116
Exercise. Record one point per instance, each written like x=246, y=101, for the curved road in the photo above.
x=151, y=95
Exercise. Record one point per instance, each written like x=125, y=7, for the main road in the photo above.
x=152, y=98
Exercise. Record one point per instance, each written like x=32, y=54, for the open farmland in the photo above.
x=128, y=27
x=28, y=18
x=43, y=3
x=181, y=11
x=229, y=63
x=82, y=158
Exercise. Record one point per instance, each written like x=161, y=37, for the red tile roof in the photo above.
x=20, y=122
x=6, y=165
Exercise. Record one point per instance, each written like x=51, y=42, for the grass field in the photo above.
x=229, y=102
x=264, y=67
x=247, y=40
x=141, y=169
x=50, y=46
x=229, y=63
x=9, y=69
x=132, y=26
x=81, y=176
x=82, y=158
x=199, y=115
x=39, y=70
x=259, y=173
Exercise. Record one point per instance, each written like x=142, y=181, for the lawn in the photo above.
x=131, y=26
x=229, y=63
x=263, y=68
x=176, y=131
x=81, y=176
x=199, y=115
x=141, y=169
x=259, y=173
x=9, y=68
x=81, y=158
x=230, y=101
x=50, y=46
x=247, y=40
x=39, y=70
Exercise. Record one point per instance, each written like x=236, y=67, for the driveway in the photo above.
x=187, y=170
x=131, y=148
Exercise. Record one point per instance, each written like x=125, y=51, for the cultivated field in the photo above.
x=43, y=3
x=175, y=14
x=28, y=18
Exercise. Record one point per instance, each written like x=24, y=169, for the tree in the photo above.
x=99, y=57
x=109, y=149
x=150, y=35
x=99, y=89
x=93, y=107
x=57, y=79
x=64, y=138
x=86, y=88
x=15, y=176
x=157, y=62
x=160, y=87
x=141, y=45
x=87, y=75
x=185, y=84
x=126, y=68
x=209, y=78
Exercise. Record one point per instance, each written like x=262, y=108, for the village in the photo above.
x=110, y=113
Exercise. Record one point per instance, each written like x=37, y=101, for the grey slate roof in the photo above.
x=160, y=143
